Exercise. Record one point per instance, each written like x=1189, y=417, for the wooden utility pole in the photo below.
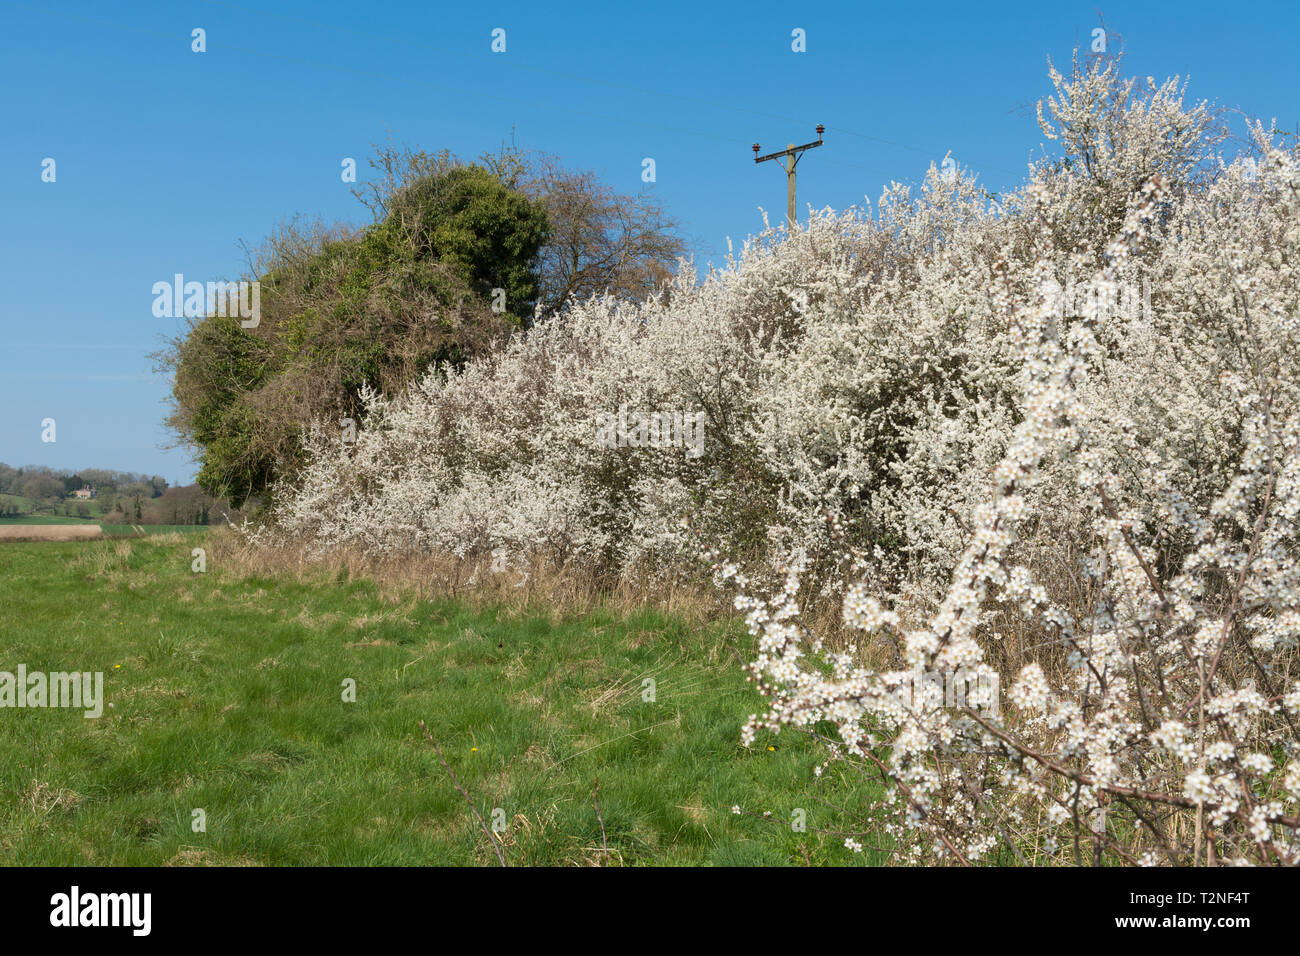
x=791, y=155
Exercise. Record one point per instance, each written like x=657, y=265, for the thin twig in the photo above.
x=595, y=798
x=492, y=837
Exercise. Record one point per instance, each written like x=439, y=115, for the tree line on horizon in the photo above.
x=127, y=497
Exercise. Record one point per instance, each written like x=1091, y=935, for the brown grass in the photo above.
x=1010, y=641
x=50, y=532
x=421, y=576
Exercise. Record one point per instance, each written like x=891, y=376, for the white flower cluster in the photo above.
x=1098, y=506
x=1143, y=515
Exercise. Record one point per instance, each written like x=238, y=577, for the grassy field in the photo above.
x=44, y=510
x=225, y=695
x=109, y=529
x=18, y=501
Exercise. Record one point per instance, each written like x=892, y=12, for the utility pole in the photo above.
x=791, y=154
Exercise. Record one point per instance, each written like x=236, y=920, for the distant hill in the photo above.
x=102, y=494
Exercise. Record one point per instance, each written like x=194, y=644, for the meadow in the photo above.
x=225, y=694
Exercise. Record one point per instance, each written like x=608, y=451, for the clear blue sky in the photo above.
x=167, y=158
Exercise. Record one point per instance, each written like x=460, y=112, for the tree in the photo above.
x=350, y=311
x=40, y=483
x=468, y=219
x=456, y=257
x=600, y=241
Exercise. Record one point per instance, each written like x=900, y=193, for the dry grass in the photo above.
x=558, y=591
x=1010, y=640
x=50, y=532
x=555, y=592
x=105, y=559
x=42, y=799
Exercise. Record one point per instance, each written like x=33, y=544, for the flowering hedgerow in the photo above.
x=1050, y=439
x=1159, y=465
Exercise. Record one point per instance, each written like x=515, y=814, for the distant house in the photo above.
x=86, y=492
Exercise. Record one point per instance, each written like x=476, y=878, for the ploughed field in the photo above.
x=50, y=532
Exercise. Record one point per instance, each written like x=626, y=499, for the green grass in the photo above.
x=226, y=695
x=23, y=504
x=43, y=512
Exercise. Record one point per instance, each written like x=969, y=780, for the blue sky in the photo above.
x=166, y=158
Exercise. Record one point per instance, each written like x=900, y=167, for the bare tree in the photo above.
x=601, y=241
x=398, y=168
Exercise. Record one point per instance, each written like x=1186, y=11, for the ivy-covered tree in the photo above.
x=444, y=274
